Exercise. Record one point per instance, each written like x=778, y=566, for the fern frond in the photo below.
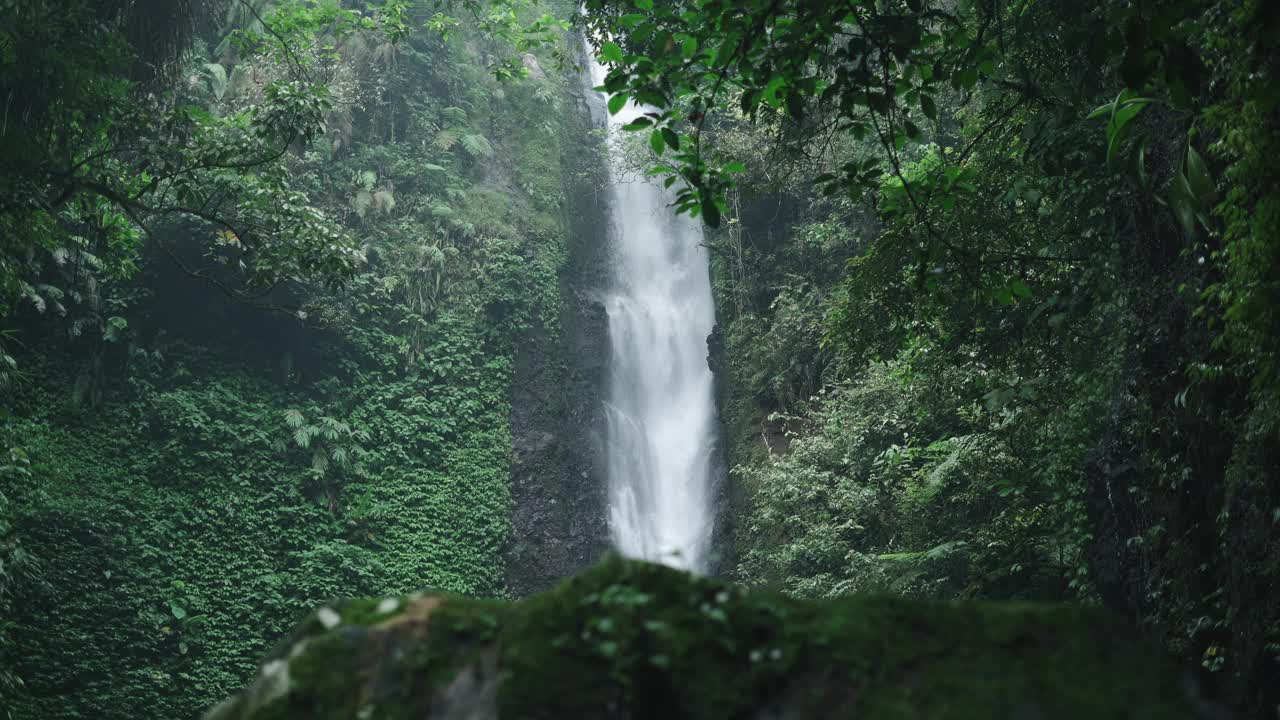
x=330, y=429
x=8, y=369
x=293, y=418
x=341, y=458
x=319, y=461
x=384, y=200
x=91, y=261
x=446, y=139
x=384, y=53
x=454, y=115
x=477, y=145
x=30, y=294
x=945, y=550
x=302, y=437
x=361, y=203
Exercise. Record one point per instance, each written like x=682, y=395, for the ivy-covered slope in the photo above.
x=190, y=483
x=629, y=639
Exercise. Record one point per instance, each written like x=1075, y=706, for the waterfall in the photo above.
x=660, y=409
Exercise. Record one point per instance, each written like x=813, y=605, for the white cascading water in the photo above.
x=660, y=407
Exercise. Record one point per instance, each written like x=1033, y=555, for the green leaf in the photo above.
x=928, y=108
x=611, y=52
x=115, y=327
x=770, y=95
x=616, y=103
x=1198, y=175
x=673, y=140
x=656, y=142
x=644, y=4
x=1183, y=203
x=1126, y=113
x=1100, y=111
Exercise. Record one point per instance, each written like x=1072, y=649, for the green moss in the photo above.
x=641, y=640
x=726, y=652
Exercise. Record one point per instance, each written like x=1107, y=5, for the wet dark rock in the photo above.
x=558, y=501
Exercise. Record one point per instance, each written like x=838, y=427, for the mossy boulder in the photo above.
x=630, y=639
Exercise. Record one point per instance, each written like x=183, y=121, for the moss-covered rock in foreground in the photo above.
x=630, y=639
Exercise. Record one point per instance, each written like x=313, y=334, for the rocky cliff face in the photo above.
x=629, y=639
x=558, y=486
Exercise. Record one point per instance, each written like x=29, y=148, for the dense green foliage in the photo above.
x=997, y=287
x=996, y=295
x=213, y=421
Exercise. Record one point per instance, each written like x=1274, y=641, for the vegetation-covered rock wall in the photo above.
x=187, y=474
x=557, y=473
